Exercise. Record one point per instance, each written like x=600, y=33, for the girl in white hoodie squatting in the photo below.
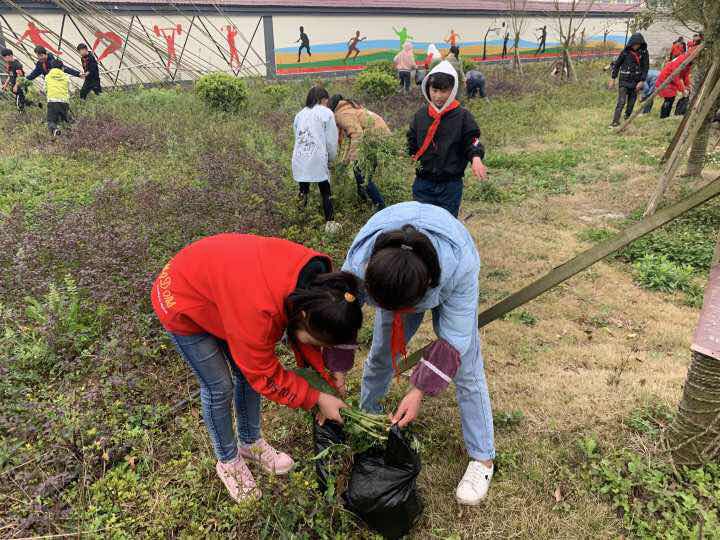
x=316, y=144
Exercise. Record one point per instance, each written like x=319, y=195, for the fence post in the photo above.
x=269, y=46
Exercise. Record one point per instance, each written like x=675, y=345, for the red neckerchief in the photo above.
x=437, y=116
x=636, y=56
x=397, y=338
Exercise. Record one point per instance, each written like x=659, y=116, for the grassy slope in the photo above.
x=599, y=348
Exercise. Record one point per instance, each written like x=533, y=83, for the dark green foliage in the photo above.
x=222, y=91
x=376, y=84
x=597, y=235
x=467, y=64
x=383, y=66
x=277, y=93
x=689, y=240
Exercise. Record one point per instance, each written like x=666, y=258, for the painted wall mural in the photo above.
x=481, y=39
x=143, y=48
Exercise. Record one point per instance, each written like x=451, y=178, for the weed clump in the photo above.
x=222, y=91
x=376, y=84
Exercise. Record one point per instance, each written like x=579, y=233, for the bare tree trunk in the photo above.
x=696, y=159
x=568, y=65
x=517, y=63
x=694, y=435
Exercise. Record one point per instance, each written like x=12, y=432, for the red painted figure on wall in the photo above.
x=112, y=42
x=169, y=34
x=35, y=35
x=232, y=33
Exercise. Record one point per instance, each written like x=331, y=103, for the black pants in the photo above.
x=667, y=107
x=305, y=46
x=371, y=190
x=404, y=79
x=56, y=113
x=20, y=99
x=88, y=86
x=325, y=192
x=625, y=95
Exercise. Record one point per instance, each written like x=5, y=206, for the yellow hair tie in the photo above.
x=349, y=297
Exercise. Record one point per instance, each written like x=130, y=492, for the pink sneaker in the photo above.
x=238, y=479
x=270, y=459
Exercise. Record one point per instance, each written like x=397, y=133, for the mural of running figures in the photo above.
x=344, y=43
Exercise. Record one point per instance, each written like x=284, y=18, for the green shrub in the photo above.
x=376, y=84
x=383, y=66
x=658, y=273
x=467, y=64
x=222, y=91
x=277, y=93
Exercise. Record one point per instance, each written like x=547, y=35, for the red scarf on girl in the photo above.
x=437, y=116
x=397, y=338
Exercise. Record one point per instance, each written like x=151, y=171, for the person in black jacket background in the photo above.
x=632, y=67
x=44, y=63
x=91, y=72
x=443, y=138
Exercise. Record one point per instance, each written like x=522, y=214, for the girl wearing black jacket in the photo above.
x=632, y=67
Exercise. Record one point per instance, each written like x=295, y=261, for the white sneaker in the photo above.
x=475, y=484
x=332, y=227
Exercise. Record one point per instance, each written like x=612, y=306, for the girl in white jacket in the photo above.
x=316, y=144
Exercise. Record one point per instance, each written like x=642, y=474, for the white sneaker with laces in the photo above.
x=474, y=484
x=332, y=227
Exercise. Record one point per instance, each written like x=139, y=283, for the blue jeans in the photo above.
x=221, y=382
x=470, y=384
x=371, y=190
x=447, y=195
x=475, y=86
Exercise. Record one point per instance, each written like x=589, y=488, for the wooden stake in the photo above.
x=706, y=99
x=599, y=252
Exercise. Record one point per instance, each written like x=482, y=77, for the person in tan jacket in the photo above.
x=353, y=120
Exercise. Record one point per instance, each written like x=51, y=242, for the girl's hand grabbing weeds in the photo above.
x=329, y=408
x=479, y=169
x=408, y=409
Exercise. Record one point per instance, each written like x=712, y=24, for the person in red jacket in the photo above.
x=226, y=301
x=678, y=47
x=680, y=84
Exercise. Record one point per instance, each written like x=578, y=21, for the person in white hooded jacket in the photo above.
x=443, y=138
x=316, y=144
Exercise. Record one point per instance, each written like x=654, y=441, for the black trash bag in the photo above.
x=682, y=106
x=325, y=436
x=382, y=490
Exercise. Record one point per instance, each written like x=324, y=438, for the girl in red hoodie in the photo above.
x=226, y=301
x=680, y=84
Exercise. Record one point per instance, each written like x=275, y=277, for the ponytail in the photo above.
x=328, y=309
x=403, y=266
